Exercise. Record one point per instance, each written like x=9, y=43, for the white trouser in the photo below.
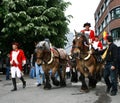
x=15, y=71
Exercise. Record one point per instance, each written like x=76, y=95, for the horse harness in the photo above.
x=52, y=56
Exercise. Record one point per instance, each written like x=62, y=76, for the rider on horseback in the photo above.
x=93, y=41
x=90, y=35
x=97, y=45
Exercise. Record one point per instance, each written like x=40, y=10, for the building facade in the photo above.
x=68, y=46
x=107, y=18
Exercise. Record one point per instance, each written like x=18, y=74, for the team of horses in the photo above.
x=81, y=60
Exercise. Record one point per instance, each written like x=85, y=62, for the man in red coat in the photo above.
x=17, y=61
x=88, y=32
x=90, y=35
x=97, y=44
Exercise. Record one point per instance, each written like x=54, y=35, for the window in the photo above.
x=116, y=33
x=106, y=20
x=102, y=8
x=101, y=28
x=95, y=19
x=107, y=2
x=97, y=32
x=115, y=13
x=99, y=15
x=103, y=24
x=112, y=14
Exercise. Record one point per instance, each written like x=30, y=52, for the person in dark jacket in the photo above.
x=119, y=63
x=110, y=70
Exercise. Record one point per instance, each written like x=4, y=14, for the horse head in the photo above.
x=80, y=44
x=41, y=48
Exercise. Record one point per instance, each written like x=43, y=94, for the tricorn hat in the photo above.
x=87, y=24
x=15, y=43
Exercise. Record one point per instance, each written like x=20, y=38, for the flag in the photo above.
x=105, y=34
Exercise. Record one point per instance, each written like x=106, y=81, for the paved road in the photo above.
x=69, y=94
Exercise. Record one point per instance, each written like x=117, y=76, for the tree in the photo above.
x=30, y=21
x=3, y=12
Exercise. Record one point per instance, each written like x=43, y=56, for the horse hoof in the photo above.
x=63, y=84
x=92, y=87
x=56, y=83
x=47, y=87
x=84, y=91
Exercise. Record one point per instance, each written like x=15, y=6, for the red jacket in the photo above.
x=97, y=45
x=17, y=58
x=91, y=34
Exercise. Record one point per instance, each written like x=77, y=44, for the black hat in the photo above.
x=87, y=24
x=110, y=38
x=15, y=43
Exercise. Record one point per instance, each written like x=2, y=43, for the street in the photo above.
x=69, y=94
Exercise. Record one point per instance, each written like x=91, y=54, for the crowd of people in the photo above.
x=16, y=60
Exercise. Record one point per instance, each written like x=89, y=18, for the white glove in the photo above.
x=23, y=62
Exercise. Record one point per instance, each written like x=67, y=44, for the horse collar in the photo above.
x=51, y=59
x=87, y=57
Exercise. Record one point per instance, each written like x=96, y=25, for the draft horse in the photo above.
x=86, y=62
x=52, y=59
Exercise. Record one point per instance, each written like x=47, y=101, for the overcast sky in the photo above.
x=82, y=12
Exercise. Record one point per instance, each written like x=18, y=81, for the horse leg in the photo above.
x=54, y=78
x=92, y=77
x=47, y=84
x=74, y=76
x=61, y=72
x=92, y=81
x=84, y=86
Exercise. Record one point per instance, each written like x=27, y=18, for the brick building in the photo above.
x=107, y=18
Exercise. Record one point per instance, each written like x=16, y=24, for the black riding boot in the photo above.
x=23, y=81
x=14, y=84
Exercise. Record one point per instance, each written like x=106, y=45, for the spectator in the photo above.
x=32, y=67
x=67, y=71
x=39, y=72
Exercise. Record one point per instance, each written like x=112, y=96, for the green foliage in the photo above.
x=30, y=21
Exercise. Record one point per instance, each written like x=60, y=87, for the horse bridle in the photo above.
x=41, y=58
x=82, y=48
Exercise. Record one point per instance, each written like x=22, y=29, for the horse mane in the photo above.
x=44, y=44
x=85, y=39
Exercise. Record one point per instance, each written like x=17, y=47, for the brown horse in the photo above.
x=86, y=62
x=52, y=59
